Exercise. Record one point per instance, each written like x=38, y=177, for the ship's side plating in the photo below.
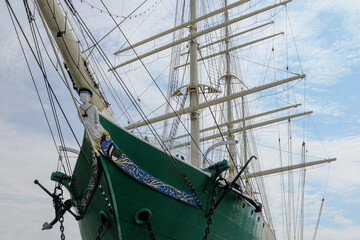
x=112, y=210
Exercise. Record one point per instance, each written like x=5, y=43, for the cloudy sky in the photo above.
x=328, y=41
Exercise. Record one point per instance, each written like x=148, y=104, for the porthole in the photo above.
x=258, y=219
x=252, y=212
x=263, y=225
x=243, y=206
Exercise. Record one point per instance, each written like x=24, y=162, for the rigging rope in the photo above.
x=318, y=220
x=325, y=187
x=174, y=74
x=49, y=88
x=120, y=16
x=128, y=93
x=283, y=197
x=217, y=125
x=152, y=78
x=33, y=80
x=95, y=43
x=181, y=103
x=148, y=73
x=42, y=66
x=12, y=13
x=157, y=136
x=95, y=91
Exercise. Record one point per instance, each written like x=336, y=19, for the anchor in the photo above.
x=60, y=206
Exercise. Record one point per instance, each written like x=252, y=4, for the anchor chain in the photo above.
x=59, y=210
x=111, y=208
x=77, y=196
x=148, y=225
x=62, y=236
x=100, y=229
x=211, y=211
x=194, y=192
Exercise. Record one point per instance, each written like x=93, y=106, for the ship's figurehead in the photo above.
x=103, y=143
x=90, y=115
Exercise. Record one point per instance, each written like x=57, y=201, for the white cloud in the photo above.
x=326, y=48
x=28, y=154
x=350, y=232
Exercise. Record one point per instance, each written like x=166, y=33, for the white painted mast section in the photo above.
x=70, y=49
x=240, y=120
x=193, y=92
x=319, y=217
x=244, y=136
x=288, y=168
x=214, y=102
x=229, y=113
x=191, y=22
x=241, y=129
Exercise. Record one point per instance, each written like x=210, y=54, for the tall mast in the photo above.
x=229, y=113
x=193, y=91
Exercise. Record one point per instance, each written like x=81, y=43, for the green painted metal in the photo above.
x=63, y=179
x=113, y=199
x=170, y=219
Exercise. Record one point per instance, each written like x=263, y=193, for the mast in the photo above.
x=229, y=113
x=193, y=91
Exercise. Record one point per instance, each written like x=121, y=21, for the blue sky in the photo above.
x=328, y=41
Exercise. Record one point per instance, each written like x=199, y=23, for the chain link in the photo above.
x=193, y=191
x=211, y=212
x=100, y=229
x=62, y=236
x=111, y=208
x=77, y=196
x=59, y=210
x=148, y=225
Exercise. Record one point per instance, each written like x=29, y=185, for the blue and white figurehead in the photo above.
x=90, y=114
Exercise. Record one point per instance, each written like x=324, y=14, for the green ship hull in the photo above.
x=112, y=208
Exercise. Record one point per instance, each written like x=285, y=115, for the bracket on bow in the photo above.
x=231, y=187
